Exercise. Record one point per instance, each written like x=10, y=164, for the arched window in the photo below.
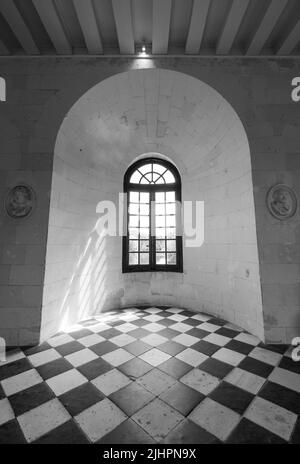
x=153, y=241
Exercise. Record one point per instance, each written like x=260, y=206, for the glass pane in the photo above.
x=133, y=245
x=160, y=221
x=144, y=233
x=144, y=245
x=160, y=233
x=159, y=168
x=144, y=197
x=171, y=258
x=171, y=221
x=149, y=177
x=144, y=209
x=133, y=233
x=170, y=208
x=160, y=197
x=155, y=177
x=134, y=197
x=160, y=245
x=160, y=258
x=171, y=232
x=171, y=245
x=170, y=197
x=146, y=168
x=133, y=221
x=144, y=258
x=144, y=181
x=144, y=221
x=133, y=208
x=160, y=180
x=169, y=178
x=133, y=258
x=159, y=208
x=135, y=178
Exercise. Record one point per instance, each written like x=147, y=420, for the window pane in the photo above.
x=144, y=245
x=135, y=178
x=169, y=178
x=144, y=221
x=133, y=258
x=170, y=197
x=144, y=258
x=134, y=197
x=170, y=208
x=160, y=180
x=144, y=233
x=146, y=168
x=160, y=232
x=160, y=197
x=160, y=245
x=171, y=258
x=133, y=221
x=171, y=232
x=171, y=221
x=144, y=209
x=159, y=168
x=133, y=245
x=133, y=233
x=144, y=197
x=160, y=258
x=159, y=208
x=160, y=221
x=144, y=181
x=171, y=245
x=133, y=208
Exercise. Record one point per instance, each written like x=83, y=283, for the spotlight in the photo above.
x=142, y=50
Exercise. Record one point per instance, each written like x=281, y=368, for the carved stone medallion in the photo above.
x=281, y=201
x=20, y=201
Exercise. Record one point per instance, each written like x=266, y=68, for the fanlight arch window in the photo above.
x=153, y=241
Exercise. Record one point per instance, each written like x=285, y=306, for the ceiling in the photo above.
x=165, y=27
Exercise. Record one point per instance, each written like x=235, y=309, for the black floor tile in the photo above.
x=131, y=398
x=31, y=398
x=216, y=368
x=226, y=332
x=167, y=322
x=81, y=333
x=175, y=367
x=139, y=333
x=2, y=394
x=289, y=364
x=103, y=348
x=206, y=347
x=191, y=322
x=296, y=433
x=140, y=322
x=182, y=398
x=69, y=348
x=37, y=349
x=240, y=347
x=127, y=433
x=81, y=398
x=199, y=333
x=249, y=433
x=217, y=321
x=281, y=349
x=14, y=368
x=11, y=433
x=68, y=433
x=135, y=368
x=256, y=367
x=109, y=333
x=136, y=348
x=53, y=368
x=172, y=348
x=189, y=433
x=168, y=333
x=231, y=396
x=94, y=368
x=282, y=396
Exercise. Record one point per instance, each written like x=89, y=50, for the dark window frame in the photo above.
x=152, y=188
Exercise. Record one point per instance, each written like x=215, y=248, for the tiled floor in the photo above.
x=150, y=375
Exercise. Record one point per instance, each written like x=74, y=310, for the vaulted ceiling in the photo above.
x=164, y=27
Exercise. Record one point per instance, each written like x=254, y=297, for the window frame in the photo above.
x=152, y=188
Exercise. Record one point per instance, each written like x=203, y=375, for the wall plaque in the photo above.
x=281, y=201
x=20, y=201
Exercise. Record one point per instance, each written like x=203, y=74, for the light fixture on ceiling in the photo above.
x=142, y=50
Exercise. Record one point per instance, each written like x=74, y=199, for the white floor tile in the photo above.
x=21, y=381
x=286, y=378
x=200, y=381
x=42, y=419
x=215, y=418
x=43, y=357
x=111, y=381
x=185, y=339
x=245, y=380
x=175, y=310
x=66, y=381
x=153, y=310
x=228, y=356
x=201, y=317
x=272, y=417
x=217, y=339
x=156, y=381
x=98, y=328
x=122, y=339
x=180, y=327
x=153, y=318
x=6, y=411
x=91, y=340
x=231, y=326
x=117, y=357
x=127, y=327
x=81, y=357
x=177, y=318
x=154, y=339
x=192, y=357
x=154, y=357
x=208, y=327
x=100, y=419
x=60, y=340
x=154, y=327
x=157, y=419
x=247, y=338
x=266, y=356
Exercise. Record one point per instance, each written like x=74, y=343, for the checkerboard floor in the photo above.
x=150, y=375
